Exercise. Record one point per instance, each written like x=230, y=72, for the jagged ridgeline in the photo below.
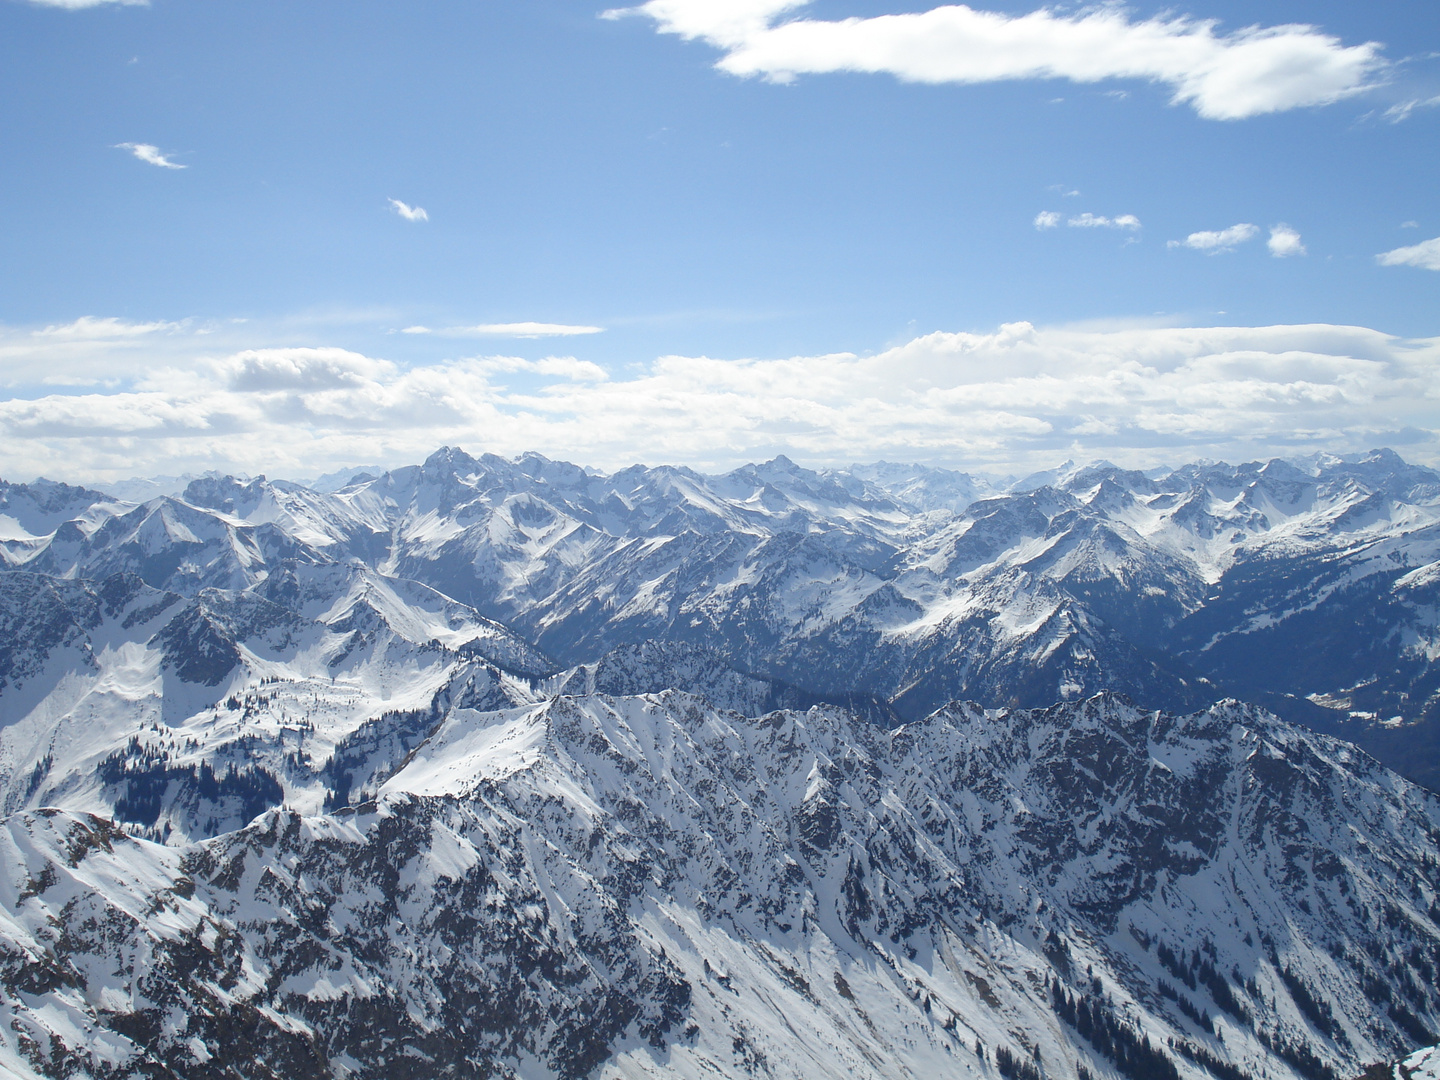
x=650, y=886
x=506, y=768
x=1308, y=587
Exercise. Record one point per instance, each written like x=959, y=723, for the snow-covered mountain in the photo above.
x=190, y=715
x=511, y=768
x=1310, y=587
x=650, y=886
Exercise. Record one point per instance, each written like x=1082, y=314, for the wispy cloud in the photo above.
x=511, y=330
x=1284, y=242
x=1088, y=220
x=1249, y=72
x=87, y=351
x=1425, y=255
x=1401, y=110
x=89, y=328
x=147, y=153
x=1214, y=242
x=408, y=212
x=75, y=5
x=1049, y=219
x=1020, y=396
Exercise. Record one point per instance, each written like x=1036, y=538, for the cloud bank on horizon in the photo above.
x=1249, y=72
x=1017, y=398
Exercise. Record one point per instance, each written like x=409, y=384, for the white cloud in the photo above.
x=75, y=5
x=1047, y=219
x=1410, y=225
x=304, y=369
x=565, y=367
x=1017, y=398
x=147, y=153
x=1425, y=255
x=1088, y=220
x=1248, y=72
x=1217, y=241
x=409, y=213
x=1402, y=110
x=1284, y=242
x=88, y=351
x=89, y=328
x=521, y=330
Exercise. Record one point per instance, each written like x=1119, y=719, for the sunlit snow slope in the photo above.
x=648, y=886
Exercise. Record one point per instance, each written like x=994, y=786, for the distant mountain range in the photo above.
x=510, y=768
x=1312, y=590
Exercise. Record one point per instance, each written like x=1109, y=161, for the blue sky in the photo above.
x=725, y=194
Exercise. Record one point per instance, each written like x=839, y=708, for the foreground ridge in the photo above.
x=647, y=885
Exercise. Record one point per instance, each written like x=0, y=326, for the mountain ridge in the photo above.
x=884, y=582
x=647, y=886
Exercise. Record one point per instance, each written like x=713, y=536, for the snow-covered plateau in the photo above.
x=510, y=768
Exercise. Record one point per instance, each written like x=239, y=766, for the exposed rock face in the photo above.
x=651, y=886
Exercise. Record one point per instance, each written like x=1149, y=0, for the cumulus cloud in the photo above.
x=1245, y=73
x=147, y=153
x=1088, y=220
x=1016, y=398
x=1213, y=242
x=1425, y=255
x=1047, y=219
x=409, y=213
x=300, y=369
x=1284, y=242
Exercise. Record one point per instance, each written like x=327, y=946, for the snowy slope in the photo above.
x=187, y=717
x=1310, y=587
x=1421, y=1065
x=648, y=886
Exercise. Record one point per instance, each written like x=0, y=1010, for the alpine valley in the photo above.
x=510, y=768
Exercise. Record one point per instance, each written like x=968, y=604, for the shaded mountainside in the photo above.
x=650, y=886
x=1309, y=587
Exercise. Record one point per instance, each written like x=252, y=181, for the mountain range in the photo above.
x=491, y=767
x=1312, y=588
